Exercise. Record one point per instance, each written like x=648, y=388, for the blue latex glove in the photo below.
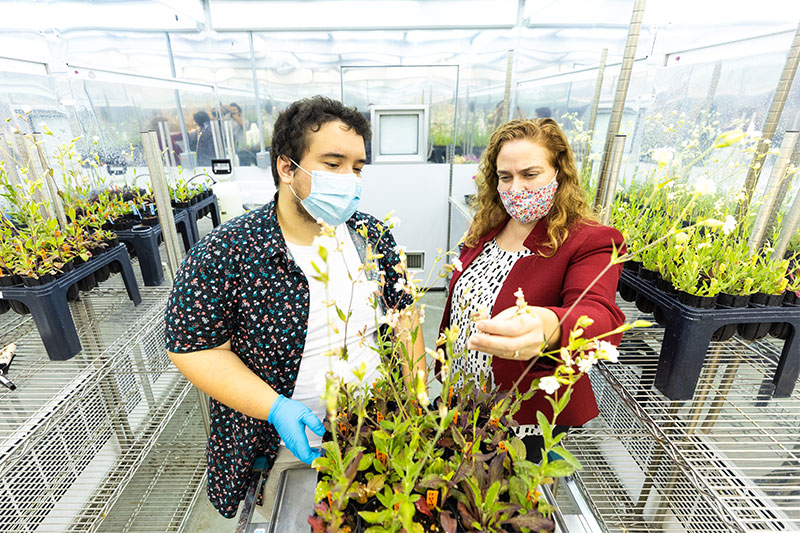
x=290, y=419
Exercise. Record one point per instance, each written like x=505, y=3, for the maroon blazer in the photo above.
x=556, y=283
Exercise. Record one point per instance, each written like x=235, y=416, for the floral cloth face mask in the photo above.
x=528, y=206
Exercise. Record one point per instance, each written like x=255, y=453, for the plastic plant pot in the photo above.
x=626, y=292
x=782, y=330
x=759, y=330
x=729, y=301
x=648, y=275
x=700, y=302
x=631, y=266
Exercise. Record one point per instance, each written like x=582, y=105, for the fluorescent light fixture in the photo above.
x=22, y=66
x=131, y=79
x=361, y=14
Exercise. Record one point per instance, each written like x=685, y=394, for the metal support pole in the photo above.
x=712, y=87
x=757, y=234
x=598, y=89
x=618, y=150
x=156, y=167
x=50, y=182
x=770, y=124
x=230, y=146
x=619, y=98
x=204, y=410
x=187, y=159
x=216, y=136
x=507, y=93
x=32, y=162
x=262, y=154
x=789, y=228
x=170, y=147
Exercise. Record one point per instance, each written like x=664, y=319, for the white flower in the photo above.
x=729, y=225
x=549, y=384
x=393, y=222
x=585, y=364
x=704, y=186
x=607, y=351
x=663, y=155
x=457, y=264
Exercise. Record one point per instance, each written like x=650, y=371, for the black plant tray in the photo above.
x=48, y=303
x=199, y=210
x=688, y=331
x=144, y=240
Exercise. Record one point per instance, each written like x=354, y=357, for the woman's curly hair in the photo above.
x=570, y=203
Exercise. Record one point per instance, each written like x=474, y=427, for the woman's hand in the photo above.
x=514, y=335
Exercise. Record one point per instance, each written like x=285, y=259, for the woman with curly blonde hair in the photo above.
x=533, y=230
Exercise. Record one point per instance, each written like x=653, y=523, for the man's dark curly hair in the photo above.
x=293, y=125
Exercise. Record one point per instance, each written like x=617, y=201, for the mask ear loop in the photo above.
x=301, y=168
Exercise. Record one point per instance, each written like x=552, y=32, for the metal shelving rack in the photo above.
x=75, y=433
x=727, y=460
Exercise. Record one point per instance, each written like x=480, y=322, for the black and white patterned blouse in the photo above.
x=476, y=291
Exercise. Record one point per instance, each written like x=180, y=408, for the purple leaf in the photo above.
x=449, y=523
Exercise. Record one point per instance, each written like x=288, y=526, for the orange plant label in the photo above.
x=455, y=418
x=396, y=507
x=381, y=457
x=494, y=422
x=432, y=498
x=330, y=501
x=502, y=446
x=449, y=395
x=483, y=387
x=468, y=447
x=380, y=417
x=342, y=428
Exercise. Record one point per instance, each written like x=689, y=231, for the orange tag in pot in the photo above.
x=397, y=507
x=494, y=422
x=432, y=498
x=468, y=447
x=342, y=428
x=381, y=457
x=455, y=418
x=483, y=387
x=449, y=396
x=380, y=417
x=502, y=446
x=330, y=501
x=419, y=411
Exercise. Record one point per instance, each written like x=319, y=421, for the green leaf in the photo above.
x=341, y=314
x=321, y=491
x=517, y=448
x=544, y=424
x=491, y=494
x=566, y=456
x=559, y=469
x=376, y=517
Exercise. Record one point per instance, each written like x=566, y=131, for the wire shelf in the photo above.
x=74, y=433
x=727, y=460
x=161, y=494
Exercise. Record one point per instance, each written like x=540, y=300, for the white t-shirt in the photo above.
x=350, y=297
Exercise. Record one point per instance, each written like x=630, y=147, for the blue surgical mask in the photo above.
x=333, y=197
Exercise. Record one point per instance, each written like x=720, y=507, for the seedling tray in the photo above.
x=48, y=303
x=144, y=240
x=199, y=210
x=688, y=331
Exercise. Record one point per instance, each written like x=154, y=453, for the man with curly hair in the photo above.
x=249, y=317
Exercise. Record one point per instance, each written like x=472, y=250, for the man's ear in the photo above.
x=284, y=168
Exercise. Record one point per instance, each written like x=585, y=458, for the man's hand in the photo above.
x=513, y=335
x=290, y=419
